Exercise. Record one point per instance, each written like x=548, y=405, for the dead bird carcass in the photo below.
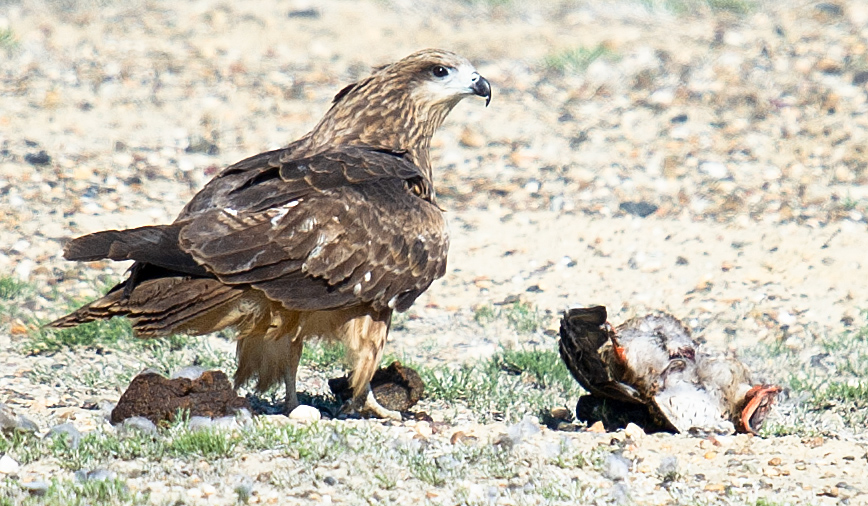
x=651, y=372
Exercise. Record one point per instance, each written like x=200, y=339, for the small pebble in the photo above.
x=40, y=158
x=634, y=432
x=8, y=465
x=94, y=475
x=200, y=423
x=524, y=429
x=36, y=488
x=616, y=467
x=305, y=413
x=190, y=372
x=668, y=467
x=141, y=424
x=67, y=429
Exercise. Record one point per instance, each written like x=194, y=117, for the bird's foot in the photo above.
x=374, y=407
x=289, y=406
x=371, y=407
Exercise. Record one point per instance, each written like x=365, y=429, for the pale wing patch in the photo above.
x=308, y=224
x=281, y=211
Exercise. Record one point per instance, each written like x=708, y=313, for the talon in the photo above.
x=372, y=406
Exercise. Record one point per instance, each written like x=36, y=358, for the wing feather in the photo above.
x=341, y=228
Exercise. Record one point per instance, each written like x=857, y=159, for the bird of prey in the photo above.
x=324, y=238
x=652, y=361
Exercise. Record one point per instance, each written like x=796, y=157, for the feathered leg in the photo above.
x=365, y=340
x=289, y=375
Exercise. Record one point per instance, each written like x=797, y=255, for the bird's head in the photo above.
x=438, y=78
x=400, y=105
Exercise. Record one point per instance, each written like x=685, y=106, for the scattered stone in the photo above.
x=304, y=13
x=36, y=488
x=561, y=413
x=527, y=427
x=199, y=144
x=141, y=424
x=191, y=372
x=199, y=423
x=158, y=399
x=397, y=388
x=634, y=432
x=305, y=414
x=829, y=8
x=715, y=170
x=8, y=419
x=230, y=422
x=40, y=158
x=472, y=138
x=621, y=494
x=8, y=465
x=640, y=209
x=94, y=475
x=668, y=468
x=461, y=437
x=616, y=467
x=66, y=429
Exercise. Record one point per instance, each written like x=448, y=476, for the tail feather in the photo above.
x=164, y=306
x=157, y=245
x=582, y=334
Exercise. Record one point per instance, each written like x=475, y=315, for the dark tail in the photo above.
x=583, y=332
x=164, y=306
x=156, y=245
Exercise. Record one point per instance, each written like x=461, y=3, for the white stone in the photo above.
x=716, y=170
x=8, y=465
x=305, y=413
x=634, y=432
x=190, y=372
x=662, y=98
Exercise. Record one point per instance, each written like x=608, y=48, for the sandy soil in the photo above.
x=746, y=131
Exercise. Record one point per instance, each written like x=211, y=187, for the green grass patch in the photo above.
x=519, y=316
x=8, y=39
x=89, y=492
x=102, y=333
x=506, y=386
x=312, y=442
x=323, y=355
x=576, y=60
x=13, y=295
x=206, y=443
x=10, y=288
x=831, y=385
x=543, y=367
x=740, y=7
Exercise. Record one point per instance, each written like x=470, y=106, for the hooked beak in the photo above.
x=481, y=87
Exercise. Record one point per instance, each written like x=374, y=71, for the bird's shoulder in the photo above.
x=274, y=178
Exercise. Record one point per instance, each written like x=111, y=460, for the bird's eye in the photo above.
x=439, y=71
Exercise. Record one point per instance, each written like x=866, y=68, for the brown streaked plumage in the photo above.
x=324, y=238
x=653, y=361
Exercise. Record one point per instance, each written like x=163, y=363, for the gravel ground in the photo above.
x=706, y=158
